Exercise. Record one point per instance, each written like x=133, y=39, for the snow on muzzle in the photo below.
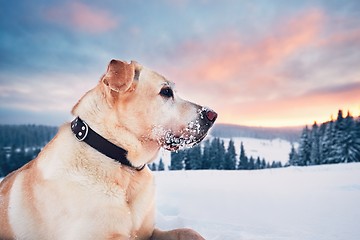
x=193, y=133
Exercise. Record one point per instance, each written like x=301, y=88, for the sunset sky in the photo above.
x=257, y=63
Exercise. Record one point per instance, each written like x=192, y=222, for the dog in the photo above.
x=91, y=181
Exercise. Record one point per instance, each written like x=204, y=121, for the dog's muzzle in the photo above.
x=194, y=133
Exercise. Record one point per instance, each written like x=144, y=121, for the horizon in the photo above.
x=257, y=63
x=332, y=118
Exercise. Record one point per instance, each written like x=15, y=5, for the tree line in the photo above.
x=212, y=154
x=335, y=141
x=22, y=136
x=21, y=143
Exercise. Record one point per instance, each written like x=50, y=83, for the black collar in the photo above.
x=83, y=132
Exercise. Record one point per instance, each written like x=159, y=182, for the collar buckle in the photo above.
x=80, y=129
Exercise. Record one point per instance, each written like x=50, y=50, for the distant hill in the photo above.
x=291, y=134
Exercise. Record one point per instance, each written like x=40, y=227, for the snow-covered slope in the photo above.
x=296, y=203
x=270, y=149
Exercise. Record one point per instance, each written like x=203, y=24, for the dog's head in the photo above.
x=147, y=105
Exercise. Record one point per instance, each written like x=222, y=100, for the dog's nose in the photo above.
x=211, y=115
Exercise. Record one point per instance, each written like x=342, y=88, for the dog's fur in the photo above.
x=72, y=191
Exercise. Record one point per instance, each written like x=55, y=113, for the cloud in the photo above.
x=79, y=16
x=276, y=77
x=50, y=92
x=246, y=68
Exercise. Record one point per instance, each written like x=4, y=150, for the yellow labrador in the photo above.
x=91, y=181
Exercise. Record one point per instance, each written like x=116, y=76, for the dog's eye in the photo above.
x=167, y=92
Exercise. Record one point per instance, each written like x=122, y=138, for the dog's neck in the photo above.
x=94, y=109
x=84, y=133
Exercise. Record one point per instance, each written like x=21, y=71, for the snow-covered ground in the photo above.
x=296, y=203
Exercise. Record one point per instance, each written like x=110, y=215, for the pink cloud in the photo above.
x=80, y=16
x=246, y=84
x=226, y=55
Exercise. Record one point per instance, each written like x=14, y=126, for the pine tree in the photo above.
x=221, y=155
x=214, y=152
x=243, y=160
x=206, y=161
x=273, y=164
x=153, y=166
x=258, y=163
x=177, y=160
x=161, y=166
x=230, y=157
x=350, y=141
x=251, y=165
x=327, y=145
x=340, y=140
x=305, y=148
x=355, y=150
x=315, y=145
x=217, y=154
x=187, y=159
x=195, y=159
x=263, y=163
x=293, y=156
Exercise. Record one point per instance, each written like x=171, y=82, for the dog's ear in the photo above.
x=119, y=75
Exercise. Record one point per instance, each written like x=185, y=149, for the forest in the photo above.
x=335, y=141
x=21, y=143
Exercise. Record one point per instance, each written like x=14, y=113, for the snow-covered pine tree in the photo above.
x=327, y=146
x=340, y=139
x=350, y=141
x=304, y=148
x=356, y=139
x=230, y=157
x=315, y=145
x=293, y=156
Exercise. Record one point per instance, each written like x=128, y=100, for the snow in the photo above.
x=270, y=149
x=297, y=203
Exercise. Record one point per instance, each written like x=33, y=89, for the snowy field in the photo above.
x=297, y=203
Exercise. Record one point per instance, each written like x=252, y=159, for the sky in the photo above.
x=257, y=63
